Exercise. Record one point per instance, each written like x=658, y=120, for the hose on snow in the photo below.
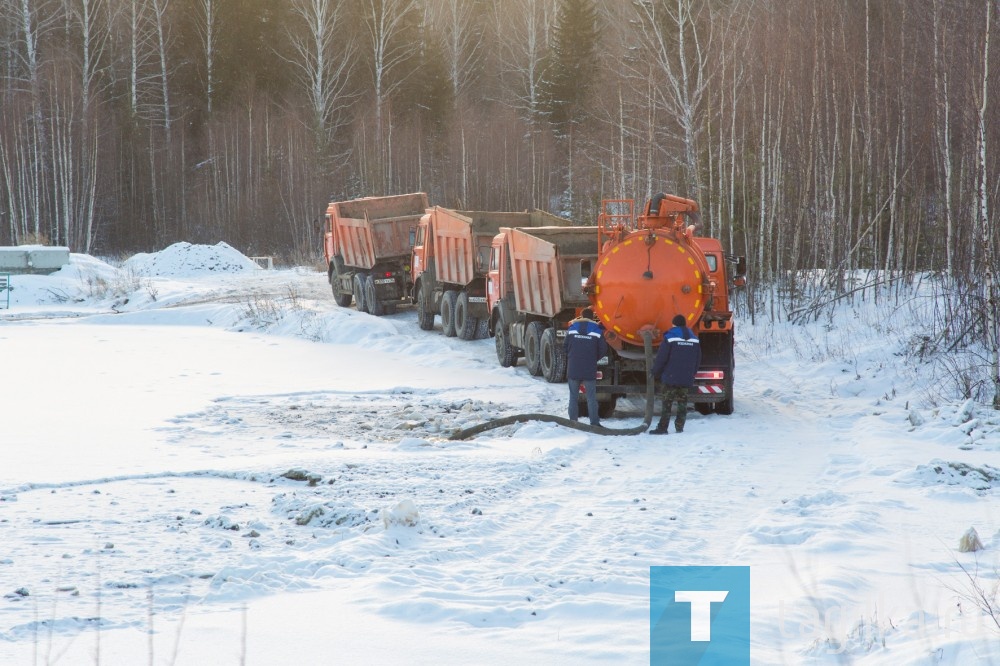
x=647, y=342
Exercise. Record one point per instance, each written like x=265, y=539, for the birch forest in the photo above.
x=843, y=136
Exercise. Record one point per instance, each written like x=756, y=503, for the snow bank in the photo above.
x=187, y=260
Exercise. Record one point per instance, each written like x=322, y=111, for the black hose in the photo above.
x=647, y=341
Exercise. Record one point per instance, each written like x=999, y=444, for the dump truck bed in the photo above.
x=462, y=239
x=550, y=266
x=375, y=229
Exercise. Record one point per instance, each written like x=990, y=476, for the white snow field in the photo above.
x=208, y=463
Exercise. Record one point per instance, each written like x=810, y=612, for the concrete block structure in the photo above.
x=38, y=259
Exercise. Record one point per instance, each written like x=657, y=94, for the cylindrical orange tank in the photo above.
x=643, y=279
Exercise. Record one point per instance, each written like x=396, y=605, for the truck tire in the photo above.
x=448, y=300
x=533, y=347
x=425, y=316
x=340, y=298
x=359, y=292
x=505, y=352
x=553, y=357
x=483, y=329
x=726, y=406
x=606, y=408
x=465, y=326
x=372, y=304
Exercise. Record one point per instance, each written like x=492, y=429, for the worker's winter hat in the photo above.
x=679, y=320
x=587, y=313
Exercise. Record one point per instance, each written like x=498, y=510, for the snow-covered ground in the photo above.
x=203, y=462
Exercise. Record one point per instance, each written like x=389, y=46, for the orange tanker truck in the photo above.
x=636, y=274
x=650, y=269
x=449, y=265
x=367, y=248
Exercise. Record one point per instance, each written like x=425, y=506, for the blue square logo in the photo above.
x=699, y=616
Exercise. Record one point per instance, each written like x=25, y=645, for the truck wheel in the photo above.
x=505, y=352
x=704, y=408
x=606, y=408
x=372, y=304
x=341, y=299
x=448, y=313
x=533, y=347
x=726, y=406
x=483, y=329
x=359, y=293
x=465, y=326
x=553, y=357
x=425, y=316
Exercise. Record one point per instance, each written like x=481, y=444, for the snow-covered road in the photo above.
x=223, y=472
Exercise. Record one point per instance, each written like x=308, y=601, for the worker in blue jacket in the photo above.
x=585, y=346
x=677, y=361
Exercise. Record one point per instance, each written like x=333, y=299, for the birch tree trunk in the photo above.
x=385, y=20
x=323, y=60
x=671, y=33
x=208, y=33
x=79, y=211
x=942, y=135
x=523, y=27
x=989, y=272
x=33, y=157
x=159, y=11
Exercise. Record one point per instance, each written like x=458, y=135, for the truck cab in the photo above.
x=423, y=247
x=496, y=275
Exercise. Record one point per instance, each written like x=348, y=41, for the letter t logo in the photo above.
x=701, y=610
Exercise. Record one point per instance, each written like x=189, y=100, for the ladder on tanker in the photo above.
x=617, y=215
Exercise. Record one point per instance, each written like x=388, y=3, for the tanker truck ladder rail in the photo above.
x=615, y=213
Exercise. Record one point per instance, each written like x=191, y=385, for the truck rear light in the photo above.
x=710, y=374
x=388, y=273
x=600, y=375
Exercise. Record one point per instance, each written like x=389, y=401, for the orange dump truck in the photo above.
x=367, y=248
x=652, y=267
x=535, y=286
x=449, y=265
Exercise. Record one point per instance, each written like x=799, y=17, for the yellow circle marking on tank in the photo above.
x=600, y=275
